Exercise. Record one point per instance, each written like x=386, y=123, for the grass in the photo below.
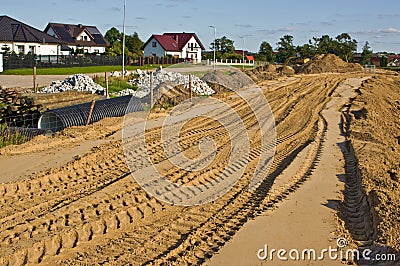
x=115, y=84
x=75, y=70
x=10, y=138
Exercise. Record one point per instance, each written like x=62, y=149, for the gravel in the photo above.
x=77, y=82
x=160, y=76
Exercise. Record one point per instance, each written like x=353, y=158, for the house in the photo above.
x=87, y=38
x=18, y=37
x=178, y=45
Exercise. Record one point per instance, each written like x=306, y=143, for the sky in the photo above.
x=377, y=22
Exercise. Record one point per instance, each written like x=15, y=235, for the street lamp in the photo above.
x=215, y=42
x=243, y=38
x=123, y=42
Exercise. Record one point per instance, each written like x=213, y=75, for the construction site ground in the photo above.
x=71, y=200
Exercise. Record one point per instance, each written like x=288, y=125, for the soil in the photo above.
x=328, y=63
x=374, y=132
x=86, y=209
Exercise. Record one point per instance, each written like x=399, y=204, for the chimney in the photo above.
x=80, y=26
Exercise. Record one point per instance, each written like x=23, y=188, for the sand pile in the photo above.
x=232, y=78
x=328, y=63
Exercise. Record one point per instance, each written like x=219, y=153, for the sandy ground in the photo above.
x=87, y=209
x=306, y=220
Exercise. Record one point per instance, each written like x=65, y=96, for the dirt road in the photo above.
x=91, y=211
x=306, y=219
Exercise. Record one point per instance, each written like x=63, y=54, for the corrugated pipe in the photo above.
x=29, y=133
x=77, y=115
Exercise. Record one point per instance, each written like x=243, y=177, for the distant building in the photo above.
x=18, y=37
x=78, y=36
x=178, y=45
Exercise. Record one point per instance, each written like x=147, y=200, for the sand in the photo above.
x=87, y=209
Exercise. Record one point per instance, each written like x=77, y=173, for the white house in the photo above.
x=18, y=37
x=78, y=36
x=179, y=45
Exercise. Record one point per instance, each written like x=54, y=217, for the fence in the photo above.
x=13, y=61
x=232, y=62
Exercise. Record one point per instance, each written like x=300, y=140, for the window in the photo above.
x=21, y=49
x=154, y=44
x=31, y=49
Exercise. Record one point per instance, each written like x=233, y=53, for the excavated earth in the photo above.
x=86, y=209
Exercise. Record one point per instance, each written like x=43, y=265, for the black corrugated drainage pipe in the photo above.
x=76, y=115
x=29, y=133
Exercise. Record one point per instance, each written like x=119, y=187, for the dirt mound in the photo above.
x=374, y=133
x=261, y=73
x=230, y=78
x=286, y=70
x=328, y=63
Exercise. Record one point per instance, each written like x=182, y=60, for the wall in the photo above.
x=39, y=48
x=195, y=54
x=149, y=50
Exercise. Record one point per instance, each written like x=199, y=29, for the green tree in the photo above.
x=266, y=52
x=366, y=54
x=285, y=49
x=113, y=35
x=133, y=45
x=326, y=45
x=306, y=50
x=384, y=61
x=346, y=46
x=223, y=46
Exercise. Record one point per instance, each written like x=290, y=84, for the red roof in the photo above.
x=174, y=41
x=167, y=42
x=250, y=58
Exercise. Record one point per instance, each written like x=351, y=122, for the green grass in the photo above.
x=7, y=138
x=75, y=70
x=114, y=84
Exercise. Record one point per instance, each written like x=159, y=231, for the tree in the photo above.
x=113, y=35
x=346, y=46
x=266, y=52
x=325, y=45
x=285, y=49
x=366, y=54
x=133, y=43
x=384, y=61
x=306, y=50
x=224, y=48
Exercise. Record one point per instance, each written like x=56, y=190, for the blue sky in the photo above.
x=375, y=21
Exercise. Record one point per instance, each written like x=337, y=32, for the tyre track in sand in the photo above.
x=85, y=212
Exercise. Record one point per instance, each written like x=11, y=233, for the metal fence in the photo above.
x=13, y=61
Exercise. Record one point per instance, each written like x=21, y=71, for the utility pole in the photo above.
x=215, y=43
x=123, y=42
x=242, y=37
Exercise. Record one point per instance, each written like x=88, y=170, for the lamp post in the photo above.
x=215, y=42
x=123, y=42
x=243, y=38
